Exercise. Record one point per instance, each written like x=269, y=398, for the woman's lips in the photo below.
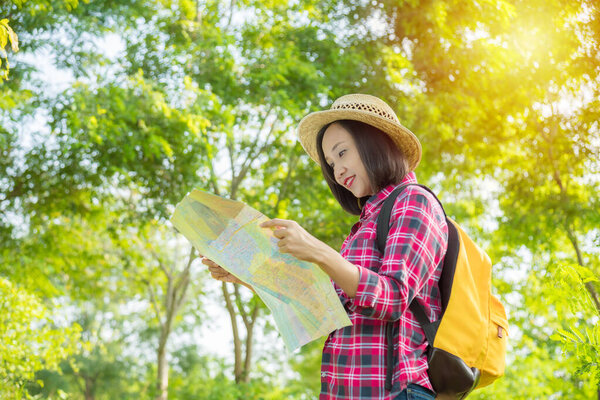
x=348, y=182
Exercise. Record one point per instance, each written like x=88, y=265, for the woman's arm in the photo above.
x=343, y=272
x=415, y=245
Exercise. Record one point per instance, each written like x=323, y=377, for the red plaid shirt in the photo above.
x=354, y=357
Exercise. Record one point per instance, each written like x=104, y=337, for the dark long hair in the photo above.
x=384, y=162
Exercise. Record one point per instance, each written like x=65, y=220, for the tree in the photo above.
x=71, y=180
x=205, y=94
x=279, y=74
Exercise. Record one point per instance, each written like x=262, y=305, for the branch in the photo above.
x=250, y=330
x=161, y=265
x=230, y=150
x=592, y=291
x=231, y=6
x=240, y=307
x=250, y=158
x=293, y=159
x=237, y=178
x=154, y=302
x=237, y=345
x=213, y=178
x=182, y=284
x=262, y=126
x=183, y=292
x=186, y=271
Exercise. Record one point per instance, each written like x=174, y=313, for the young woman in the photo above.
x=365, y=153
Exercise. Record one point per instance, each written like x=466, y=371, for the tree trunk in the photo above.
x=237, y=343
x=174, y=297
x=89, y=389
x=243, y=348
x=249, y=342
x=163, y=371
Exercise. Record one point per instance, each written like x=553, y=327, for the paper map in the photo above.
x=298, y=293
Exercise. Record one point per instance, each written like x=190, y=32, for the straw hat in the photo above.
x=365, y=108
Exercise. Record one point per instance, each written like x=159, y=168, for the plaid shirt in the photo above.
x=354, y=357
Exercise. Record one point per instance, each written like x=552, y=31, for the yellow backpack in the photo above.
x=467, y=345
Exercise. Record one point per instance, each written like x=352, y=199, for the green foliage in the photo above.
x=582, y=338
x=203, y=376
x=6, y=35
x=131, y=136
x=30, y=339
x=307, y=364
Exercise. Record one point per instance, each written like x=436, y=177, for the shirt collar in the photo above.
x=372, y=205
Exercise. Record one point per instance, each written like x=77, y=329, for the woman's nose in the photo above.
x=339, y=172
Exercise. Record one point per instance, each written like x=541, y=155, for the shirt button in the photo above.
x=323, y=374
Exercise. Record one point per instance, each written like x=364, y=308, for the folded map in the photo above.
x=298, y=293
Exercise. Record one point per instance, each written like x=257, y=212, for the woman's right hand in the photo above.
x=218, y=273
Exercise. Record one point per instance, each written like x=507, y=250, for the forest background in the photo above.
x=112, y=111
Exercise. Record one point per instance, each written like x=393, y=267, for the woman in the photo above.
x=365, y=153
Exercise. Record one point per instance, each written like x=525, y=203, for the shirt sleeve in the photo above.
x=416, y=244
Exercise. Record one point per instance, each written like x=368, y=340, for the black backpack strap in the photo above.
x=383, y=228
x=383, y=219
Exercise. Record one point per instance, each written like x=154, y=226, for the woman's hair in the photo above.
x=384, y=162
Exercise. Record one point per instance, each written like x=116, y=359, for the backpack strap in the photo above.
x=383, y=219
x=430, y=328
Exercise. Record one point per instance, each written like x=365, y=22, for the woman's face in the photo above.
x=342, y=155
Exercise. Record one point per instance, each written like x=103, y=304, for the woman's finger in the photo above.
x=219, y=273
x=280, y=233
x=221, y=277
x=209, y=262
x=276, y=222
x=282, y=247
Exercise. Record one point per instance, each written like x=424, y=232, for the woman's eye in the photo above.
x=341, y=153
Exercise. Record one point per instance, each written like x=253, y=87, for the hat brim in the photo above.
x=311, y=125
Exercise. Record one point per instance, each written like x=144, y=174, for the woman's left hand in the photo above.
x=295, y=240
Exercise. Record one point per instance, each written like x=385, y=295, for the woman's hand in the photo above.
x=296, y=241
x=218, y=273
